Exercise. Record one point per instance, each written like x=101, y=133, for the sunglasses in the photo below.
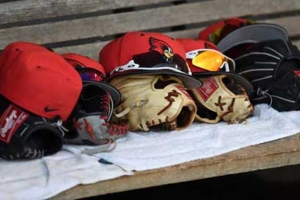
x=211, y=60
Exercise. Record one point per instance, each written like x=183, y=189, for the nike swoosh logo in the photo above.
x=47, y=109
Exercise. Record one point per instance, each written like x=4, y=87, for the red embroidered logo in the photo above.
x=10, y=121
x=297, y=72
x=208, y=88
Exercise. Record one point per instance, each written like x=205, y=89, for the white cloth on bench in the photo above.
x=142, y=151
x=47, y=177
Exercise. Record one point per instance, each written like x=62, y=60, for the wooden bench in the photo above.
x=85, y=26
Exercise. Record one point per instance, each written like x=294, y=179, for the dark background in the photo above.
x=272, y=184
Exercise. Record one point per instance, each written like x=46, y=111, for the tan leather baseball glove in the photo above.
x=221, y=99
x=153, y=102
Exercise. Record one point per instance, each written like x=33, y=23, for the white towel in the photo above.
x=46, y=177
x=142, y=151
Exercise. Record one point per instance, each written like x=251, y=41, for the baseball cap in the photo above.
x=253, y=33
x=146, y=53
x=92, y=74
x=205, y=59
x=232, y=32
x=38, y=80
x=217, y=31
x=6, y=56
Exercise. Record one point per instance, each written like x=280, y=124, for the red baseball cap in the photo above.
x=38, y=80
x=146, y=53
x=92, y=73
x=215, y=32
x=78, y=60
x=6, y=56
x=238, y=33
x=205, y=59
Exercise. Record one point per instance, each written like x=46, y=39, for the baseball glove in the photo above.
x=89, y=122
x=220, y=98
x=273, y=67
x=25, y=135
x=153, y=102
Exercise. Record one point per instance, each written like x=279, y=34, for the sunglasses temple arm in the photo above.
x=225, y=64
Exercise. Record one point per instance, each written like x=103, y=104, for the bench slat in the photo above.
x=40, y=9
x=291, y=24
x=141, y=20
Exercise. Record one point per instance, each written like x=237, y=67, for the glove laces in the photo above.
x=118, y=129
x=138, y=103
x=61, y=128
x=107, y=105
x=263, y=93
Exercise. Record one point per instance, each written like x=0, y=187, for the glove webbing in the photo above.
x=271, y=67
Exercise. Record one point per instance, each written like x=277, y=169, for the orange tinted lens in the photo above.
x=209, y=60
